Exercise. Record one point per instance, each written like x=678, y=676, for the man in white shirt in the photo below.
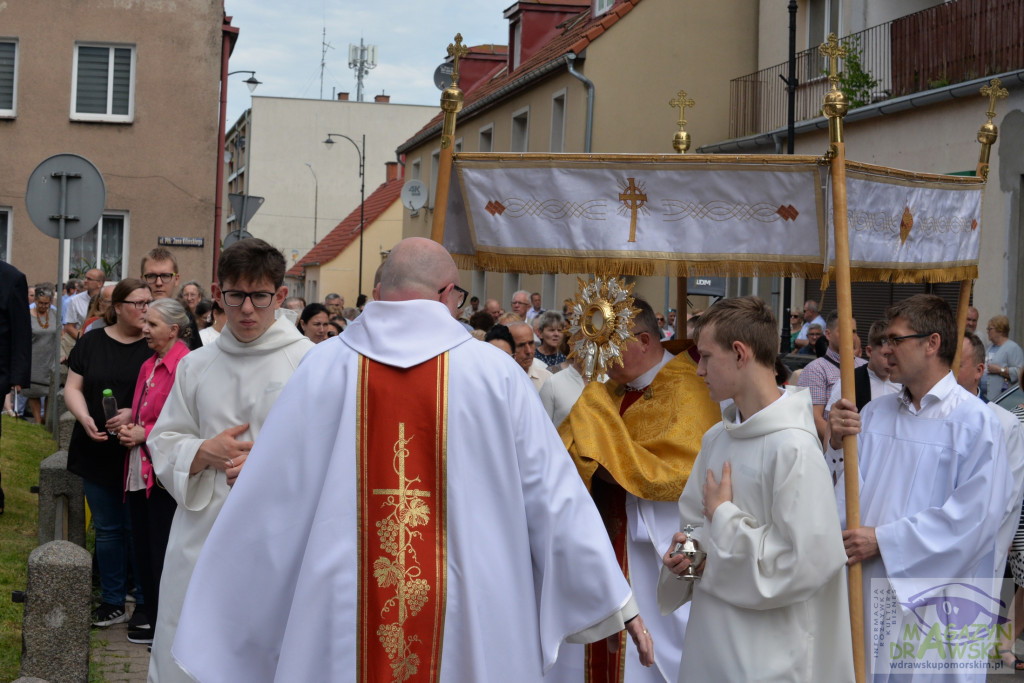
x=811, y=316
x=935, y=485
x=78, y=305
x=524, y=354
x=535, y=308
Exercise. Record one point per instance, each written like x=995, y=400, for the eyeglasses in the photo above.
x=235, y=298
x=139, y=305
x=462, y=295
x=895, y=341
x=163, y=277
x=520, y=303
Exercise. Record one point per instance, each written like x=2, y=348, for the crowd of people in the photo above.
x=546, y=546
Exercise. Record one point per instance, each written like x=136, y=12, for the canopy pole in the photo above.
x=987, y=136
x=835, y=107
x=451, y=104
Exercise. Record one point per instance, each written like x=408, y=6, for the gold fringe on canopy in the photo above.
x=522, y=263
x=905, y=275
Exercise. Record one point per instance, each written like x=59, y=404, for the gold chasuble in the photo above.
x=650, y=450
x=401, y=447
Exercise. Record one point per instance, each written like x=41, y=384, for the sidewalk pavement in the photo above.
x=114, y=659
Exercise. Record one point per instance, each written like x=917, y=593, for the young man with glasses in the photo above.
x=160, y=271
x=221, y=396
x=934, y=486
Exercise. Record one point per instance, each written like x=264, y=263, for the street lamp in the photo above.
x=316, y=199
x=251, y=81
x=362, y=191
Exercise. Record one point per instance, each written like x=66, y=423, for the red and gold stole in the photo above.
x=601, y=665
x=401, y=442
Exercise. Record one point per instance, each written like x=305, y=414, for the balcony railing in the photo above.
x=946, y=44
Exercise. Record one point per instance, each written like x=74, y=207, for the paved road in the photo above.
x=116, y=660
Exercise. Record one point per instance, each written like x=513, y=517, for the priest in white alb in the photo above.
x=374, y=536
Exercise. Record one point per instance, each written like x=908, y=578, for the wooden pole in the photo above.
x=451, y=104
x=681, y=308
x=835, y=108
x=987, y=136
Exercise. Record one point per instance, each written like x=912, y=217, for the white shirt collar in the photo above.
x=644, y=380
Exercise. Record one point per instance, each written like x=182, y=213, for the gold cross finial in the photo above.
x=457, y=51
x=832, y=49
x=993, y=92
x=682, y=102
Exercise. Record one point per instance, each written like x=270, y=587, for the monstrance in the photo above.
x=600, y=323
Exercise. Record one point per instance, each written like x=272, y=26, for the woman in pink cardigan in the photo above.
x=166, y=325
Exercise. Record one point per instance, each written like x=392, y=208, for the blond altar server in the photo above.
x=634, y=440
x=771, y=602
x=375, y=537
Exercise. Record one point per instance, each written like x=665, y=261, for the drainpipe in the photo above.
x=571, y=62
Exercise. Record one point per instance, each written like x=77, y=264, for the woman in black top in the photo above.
x=107, y=358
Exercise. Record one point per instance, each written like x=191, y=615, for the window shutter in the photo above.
x=7, y=75
x=92, y=80
x=122, y=80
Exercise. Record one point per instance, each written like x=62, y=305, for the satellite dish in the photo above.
x=235, y=236
x=414, y=195
x=443, y=75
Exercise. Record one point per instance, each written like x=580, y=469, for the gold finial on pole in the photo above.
x=457, y=51
x=682, y=102
x=836, y=102
x=988, y=133
x=451, y=104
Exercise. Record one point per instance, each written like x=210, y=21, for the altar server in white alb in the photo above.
x=935, y=484
x=771, y=601
x=375, y=535
x=222, y=393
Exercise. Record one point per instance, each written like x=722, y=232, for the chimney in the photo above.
x=382, y=98
x=390, y=170
x=343, y=97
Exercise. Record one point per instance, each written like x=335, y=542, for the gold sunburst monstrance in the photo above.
x=600, y=323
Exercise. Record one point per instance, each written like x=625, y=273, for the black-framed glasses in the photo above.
x=895, y=341
x=139, y=305
x=163, y=277
x=462, y=295
x=236, y=297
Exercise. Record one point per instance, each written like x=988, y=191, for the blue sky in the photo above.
x=281, y=42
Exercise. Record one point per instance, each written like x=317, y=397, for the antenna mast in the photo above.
x=324, y=47
x=362, y=58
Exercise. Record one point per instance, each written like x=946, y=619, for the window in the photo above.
x=457, y=147
x=414, y=171
x=602, y=6
x=103, y=87
x=517, y=44
x=558, y=122
x=822, y=19
x=105, y=246
x=487, y=139
x=8, y=77
x=520, y=131
x=5, y=234
x=435, y=164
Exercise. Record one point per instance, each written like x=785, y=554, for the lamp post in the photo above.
x=316, y=199
x=361, y=150
x=221, y=127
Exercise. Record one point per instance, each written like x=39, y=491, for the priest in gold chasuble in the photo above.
x=634, y=440
x=407, y=514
